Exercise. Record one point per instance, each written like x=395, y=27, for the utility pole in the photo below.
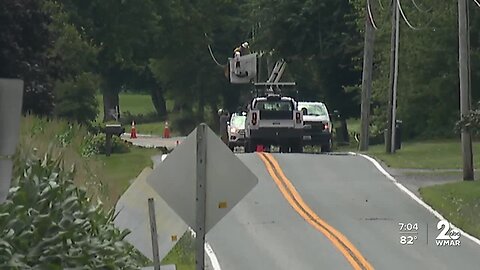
x=395, y=78
x=464, y=73
x=366, y=82
x=393, y=69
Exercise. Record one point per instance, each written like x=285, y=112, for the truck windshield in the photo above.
x=314, y=109
x=277, y=106
x=238, y=121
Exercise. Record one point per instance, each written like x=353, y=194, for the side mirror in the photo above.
x=304, y=111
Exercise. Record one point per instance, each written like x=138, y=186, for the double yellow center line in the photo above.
x=287, y=189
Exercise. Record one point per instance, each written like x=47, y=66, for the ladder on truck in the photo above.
x=243, y=70
x=273, y=84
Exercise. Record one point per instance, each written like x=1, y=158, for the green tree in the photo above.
x=428, y=97
x=75, y=57
x=184, y=66
x=24, y=41
x=121, y=30
x=320, y=42
x=75, y=99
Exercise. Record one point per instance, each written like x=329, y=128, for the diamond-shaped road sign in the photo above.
x=132, y=213
x=228, y=179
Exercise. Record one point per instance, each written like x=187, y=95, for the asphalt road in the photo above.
x=331, y=212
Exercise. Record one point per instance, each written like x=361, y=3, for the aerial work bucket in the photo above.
x=243, y=69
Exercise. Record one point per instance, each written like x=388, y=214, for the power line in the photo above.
x=380, y=4
x=405, y=17
x=477, y=2
x=213, y=57
x=211, y=54
x=421, y=9
x=370, y=15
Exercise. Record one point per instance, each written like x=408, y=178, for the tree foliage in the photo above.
x=320, y=42
x=24, y=42
x=428, y=95
x=161, y=47
x=75, y=98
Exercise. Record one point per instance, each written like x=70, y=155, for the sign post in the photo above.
x=201, y=197
x=153, y=230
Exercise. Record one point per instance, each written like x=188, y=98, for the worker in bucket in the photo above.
x=242, y=50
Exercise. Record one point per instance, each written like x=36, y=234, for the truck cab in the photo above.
x=274, y=120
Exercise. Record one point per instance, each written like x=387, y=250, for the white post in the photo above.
x=11, y=95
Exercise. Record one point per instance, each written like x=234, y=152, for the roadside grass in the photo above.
x=443, y=154
x=182, y=254
x=120, y=169
x=103, y=177
x=458, y=202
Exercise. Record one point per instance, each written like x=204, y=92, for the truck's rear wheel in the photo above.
x=283, y=149
x=297, y=148
x=327, y=147
x=251, y=146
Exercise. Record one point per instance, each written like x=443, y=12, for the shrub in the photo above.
x=118, y=145
x=49, y=223
x=75, y=99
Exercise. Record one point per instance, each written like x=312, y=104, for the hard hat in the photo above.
x=220, y=111
x=245, y=44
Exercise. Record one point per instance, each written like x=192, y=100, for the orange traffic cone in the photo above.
x=133, y=132
x=166, y=130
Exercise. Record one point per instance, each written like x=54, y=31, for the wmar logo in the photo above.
x=447, y=237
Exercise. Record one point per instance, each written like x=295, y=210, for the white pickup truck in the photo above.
x=274, y=120
x=317, y=118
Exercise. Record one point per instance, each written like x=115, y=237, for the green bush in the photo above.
x=75, y=99
x=98, y=144
x=49, y=223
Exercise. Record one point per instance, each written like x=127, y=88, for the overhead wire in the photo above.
x=477, y=2
x=212, y=55
x=380, y=4
x=421, y=9
x=405, y=17
x=370, y=15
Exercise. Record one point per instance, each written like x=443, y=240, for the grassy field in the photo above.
x=119, y=169
x=182, y=254
x=133, y=103
x=445, y=154
x=457, y=202
x=137, y=104
x=155, y=128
